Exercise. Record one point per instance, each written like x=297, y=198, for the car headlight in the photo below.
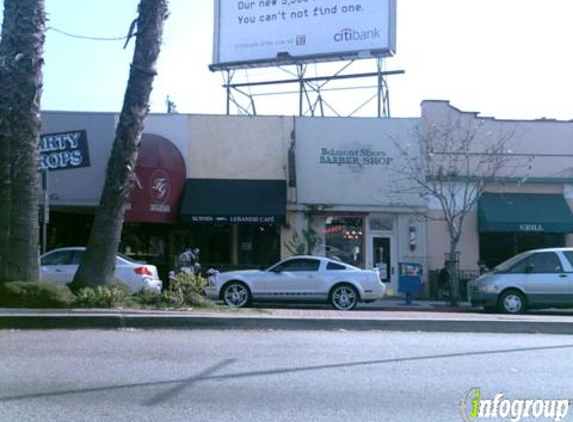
x=487, y=288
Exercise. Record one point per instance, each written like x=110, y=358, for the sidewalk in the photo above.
x=384, y=315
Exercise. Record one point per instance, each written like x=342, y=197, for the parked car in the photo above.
x=60, y=265
x=540, y=278
x=299, y=279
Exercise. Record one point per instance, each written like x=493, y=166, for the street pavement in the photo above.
x=386, y=315
x=275, y=376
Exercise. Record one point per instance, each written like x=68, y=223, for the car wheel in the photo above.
x=512, y=302
x=236, y=295
x=344, y=297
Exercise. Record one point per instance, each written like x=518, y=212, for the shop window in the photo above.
x=498, y=247
x=344, y=239
x=147, y=243
x=259, y=246
x=381, y=223
x=215, y=244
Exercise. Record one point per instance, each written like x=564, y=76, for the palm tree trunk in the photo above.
x=98, y=262
x=21, y=50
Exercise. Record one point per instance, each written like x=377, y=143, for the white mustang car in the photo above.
x=299, y=279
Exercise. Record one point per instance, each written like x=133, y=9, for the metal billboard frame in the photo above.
x=311, y=90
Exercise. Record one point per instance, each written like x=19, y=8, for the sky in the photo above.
x=509, y=59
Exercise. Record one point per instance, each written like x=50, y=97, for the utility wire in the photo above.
x=83, y=37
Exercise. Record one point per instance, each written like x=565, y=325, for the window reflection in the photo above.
x=344, y=239
x=381, y=223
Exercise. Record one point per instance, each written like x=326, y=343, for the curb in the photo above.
x=193, y=322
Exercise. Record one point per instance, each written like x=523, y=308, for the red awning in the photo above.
x=160, y=171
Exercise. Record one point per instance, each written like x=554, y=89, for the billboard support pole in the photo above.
x=231, y=88
x=301, y=69
x=383, y=95
x=228, y=83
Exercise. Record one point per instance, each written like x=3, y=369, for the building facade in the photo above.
x=526, y=205
x=248, y=191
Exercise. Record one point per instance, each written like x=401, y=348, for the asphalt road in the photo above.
x=271, y=375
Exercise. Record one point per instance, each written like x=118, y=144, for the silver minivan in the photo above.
x=540, y=278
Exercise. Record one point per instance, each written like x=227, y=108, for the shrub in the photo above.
x=147, y=298
x=44, y=294
x=100, y=297
x=186, y=289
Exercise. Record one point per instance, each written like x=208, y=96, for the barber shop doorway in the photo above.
x=382, y=256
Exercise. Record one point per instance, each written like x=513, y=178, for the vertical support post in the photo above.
x=300, y=73
x=379, y=68
x=45, y=209
x=383, y=96
x=228, y=92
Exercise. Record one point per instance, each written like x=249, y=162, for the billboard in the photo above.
x=251, y=33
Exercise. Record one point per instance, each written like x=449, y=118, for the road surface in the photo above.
x=271, y=376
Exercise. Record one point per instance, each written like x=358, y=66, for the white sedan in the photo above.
x=299, y=279
x=60, y=265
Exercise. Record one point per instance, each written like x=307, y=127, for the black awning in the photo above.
x=524, y=212
x=234, y=201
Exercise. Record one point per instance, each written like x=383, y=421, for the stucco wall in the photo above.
x=540, y=160
x=535, y=148
x=352, y=162
x=170, y=126
x=439, y=242
x=238, y=147
x=81, y=187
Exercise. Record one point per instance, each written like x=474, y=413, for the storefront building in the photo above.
x=216, y=183
x=526, y=206
x=359, y=207
x=248, y=191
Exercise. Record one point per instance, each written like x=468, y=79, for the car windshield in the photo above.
x=506, y=265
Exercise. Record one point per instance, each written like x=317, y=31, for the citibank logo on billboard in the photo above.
x=349, y=34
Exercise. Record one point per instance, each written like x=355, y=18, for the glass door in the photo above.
x=381, y=256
